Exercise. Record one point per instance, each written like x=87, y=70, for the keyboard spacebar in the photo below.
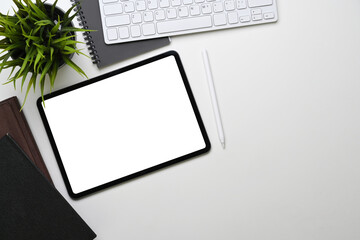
x=184, y=24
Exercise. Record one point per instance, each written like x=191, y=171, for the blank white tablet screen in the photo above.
x=123, y=124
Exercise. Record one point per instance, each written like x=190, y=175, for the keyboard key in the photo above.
x=112, y=9
x=136, y=18
x=184, y=24
x=245, y=19
x=269, y=15
x=183, y=11
x=171, y=13
x=164, y=3
x=135, y=31
x=206, y=8
x=241, y=4
x=124, y=32
x=233, y=17
x=218, y=7
x=129, y=7
x=257, y=17
x=152, y=4
x=199, y=1
x=112, y=34
x=259, y=3
x=187, y=2
x=109, y=1
x=148, y=17
x=148, y=29
x=194, y=10
x=175, y=3
x=117, y=20
x=256, y=11
x=219, y=19
x=140, y=5
x=160, y=15
x=229, y=5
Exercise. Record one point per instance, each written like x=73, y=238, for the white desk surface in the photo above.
x=289, y=95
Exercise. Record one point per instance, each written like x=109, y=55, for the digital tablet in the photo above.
x=123, y=124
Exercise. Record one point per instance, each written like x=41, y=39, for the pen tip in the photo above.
x=223, y=145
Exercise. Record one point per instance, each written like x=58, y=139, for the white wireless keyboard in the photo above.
x=132, y=20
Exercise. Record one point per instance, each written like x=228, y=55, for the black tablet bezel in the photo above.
x=103, y=77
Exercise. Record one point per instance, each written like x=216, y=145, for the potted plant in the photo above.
x=36, y=41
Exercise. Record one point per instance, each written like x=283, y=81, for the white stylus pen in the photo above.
x=213, y=97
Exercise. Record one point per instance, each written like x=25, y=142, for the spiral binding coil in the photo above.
x=87, y=36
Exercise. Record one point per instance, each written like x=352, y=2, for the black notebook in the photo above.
x=103, y=54
x=30, y=207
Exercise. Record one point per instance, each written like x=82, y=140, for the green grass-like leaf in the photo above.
x=74, y=66
x=34, y=42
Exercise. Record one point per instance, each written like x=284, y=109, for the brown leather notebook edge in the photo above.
x=20, y=131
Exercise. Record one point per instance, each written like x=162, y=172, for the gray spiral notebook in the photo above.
x=102, y=54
